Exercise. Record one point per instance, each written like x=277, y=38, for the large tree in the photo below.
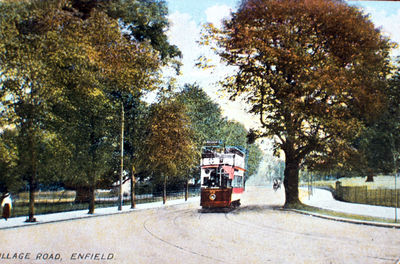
x=142, y=22
x=70, y=64
x=380, y=143
x=313, y=71
x=394, y=113
x=26, y=88
x=98, y=83
x=376, y=150
x=169, y=148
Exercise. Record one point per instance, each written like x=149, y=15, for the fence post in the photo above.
x=365, y=195
x=338, y=188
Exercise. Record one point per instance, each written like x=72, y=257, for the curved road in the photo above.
x=257, y=232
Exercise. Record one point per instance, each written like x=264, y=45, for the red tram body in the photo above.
x=222, y=175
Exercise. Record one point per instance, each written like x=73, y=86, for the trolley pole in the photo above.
x=122, y=159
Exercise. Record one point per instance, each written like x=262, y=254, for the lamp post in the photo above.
x=395, y=157
x=395, y=193
x=122, y=159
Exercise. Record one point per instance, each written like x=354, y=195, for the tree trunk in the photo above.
x=291, y=182
x=187, y=190
x=165, y=190
x=82, y=195
x=92, y=200
x=32, y=188
x=133, y=183
x=370, y=176
x=32, y=174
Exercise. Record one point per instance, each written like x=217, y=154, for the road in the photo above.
x=258, y=232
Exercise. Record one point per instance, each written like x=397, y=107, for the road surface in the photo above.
x=258, y=232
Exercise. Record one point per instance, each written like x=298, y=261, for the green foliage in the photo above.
x=8, y=162
x=66, y=67
x=208, y=123
x=66, y=70
x=204, y=114
x=169, y=147
x=377, y=147
x=255, y=155
x=26, y=88
x=145, y=20
x=393, y=114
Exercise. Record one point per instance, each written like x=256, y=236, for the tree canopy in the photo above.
x=209, y=124
x=69, y=70
x=66, y=67
x=169, y=146
x=313, y=71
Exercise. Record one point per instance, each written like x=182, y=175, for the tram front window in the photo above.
x=212, y=180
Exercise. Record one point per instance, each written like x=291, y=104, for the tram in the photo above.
x=222, y=175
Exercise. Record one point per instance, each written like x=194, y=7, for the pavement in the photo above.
x=324, y=199
x=320, y=198
x=16, y=222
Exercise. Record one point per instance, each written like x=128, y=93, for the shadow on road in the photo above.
x=257, y=208
x=242, y=209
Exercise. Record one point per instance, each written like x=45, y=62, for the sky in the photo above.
x=188, y=16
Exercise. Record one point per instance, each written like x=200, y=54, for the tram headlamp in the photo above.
x=212, y=196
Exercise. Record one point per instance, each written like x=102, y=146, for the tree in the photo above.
x=376, y=149
x=136, y=113
x=98, y=83
x=142, y=22
x=26, y=89
x=235, y=134
x=168, y=148
x=8, y=162
x=313, y=71
x=205, y=115
x=209, y=124
x=394, y=113
x=62, y=62
x=380, y=142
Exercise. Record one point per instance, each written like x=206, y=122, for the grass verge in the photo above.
x=315, y=210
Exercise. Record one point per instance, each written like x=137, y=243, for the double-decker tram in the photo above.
x=222, y=175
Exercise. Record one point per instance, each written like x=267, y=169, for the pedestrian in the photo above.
x=6, y=205
x=277, y=184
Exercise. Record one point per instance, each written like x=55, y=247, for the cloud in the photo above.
x=215, y=14
x=389, y=24
x=184, y=32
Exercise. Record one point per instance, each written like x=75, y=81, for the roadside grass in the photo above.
x=324, y=212
x=303, y=194
x=380, y=182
